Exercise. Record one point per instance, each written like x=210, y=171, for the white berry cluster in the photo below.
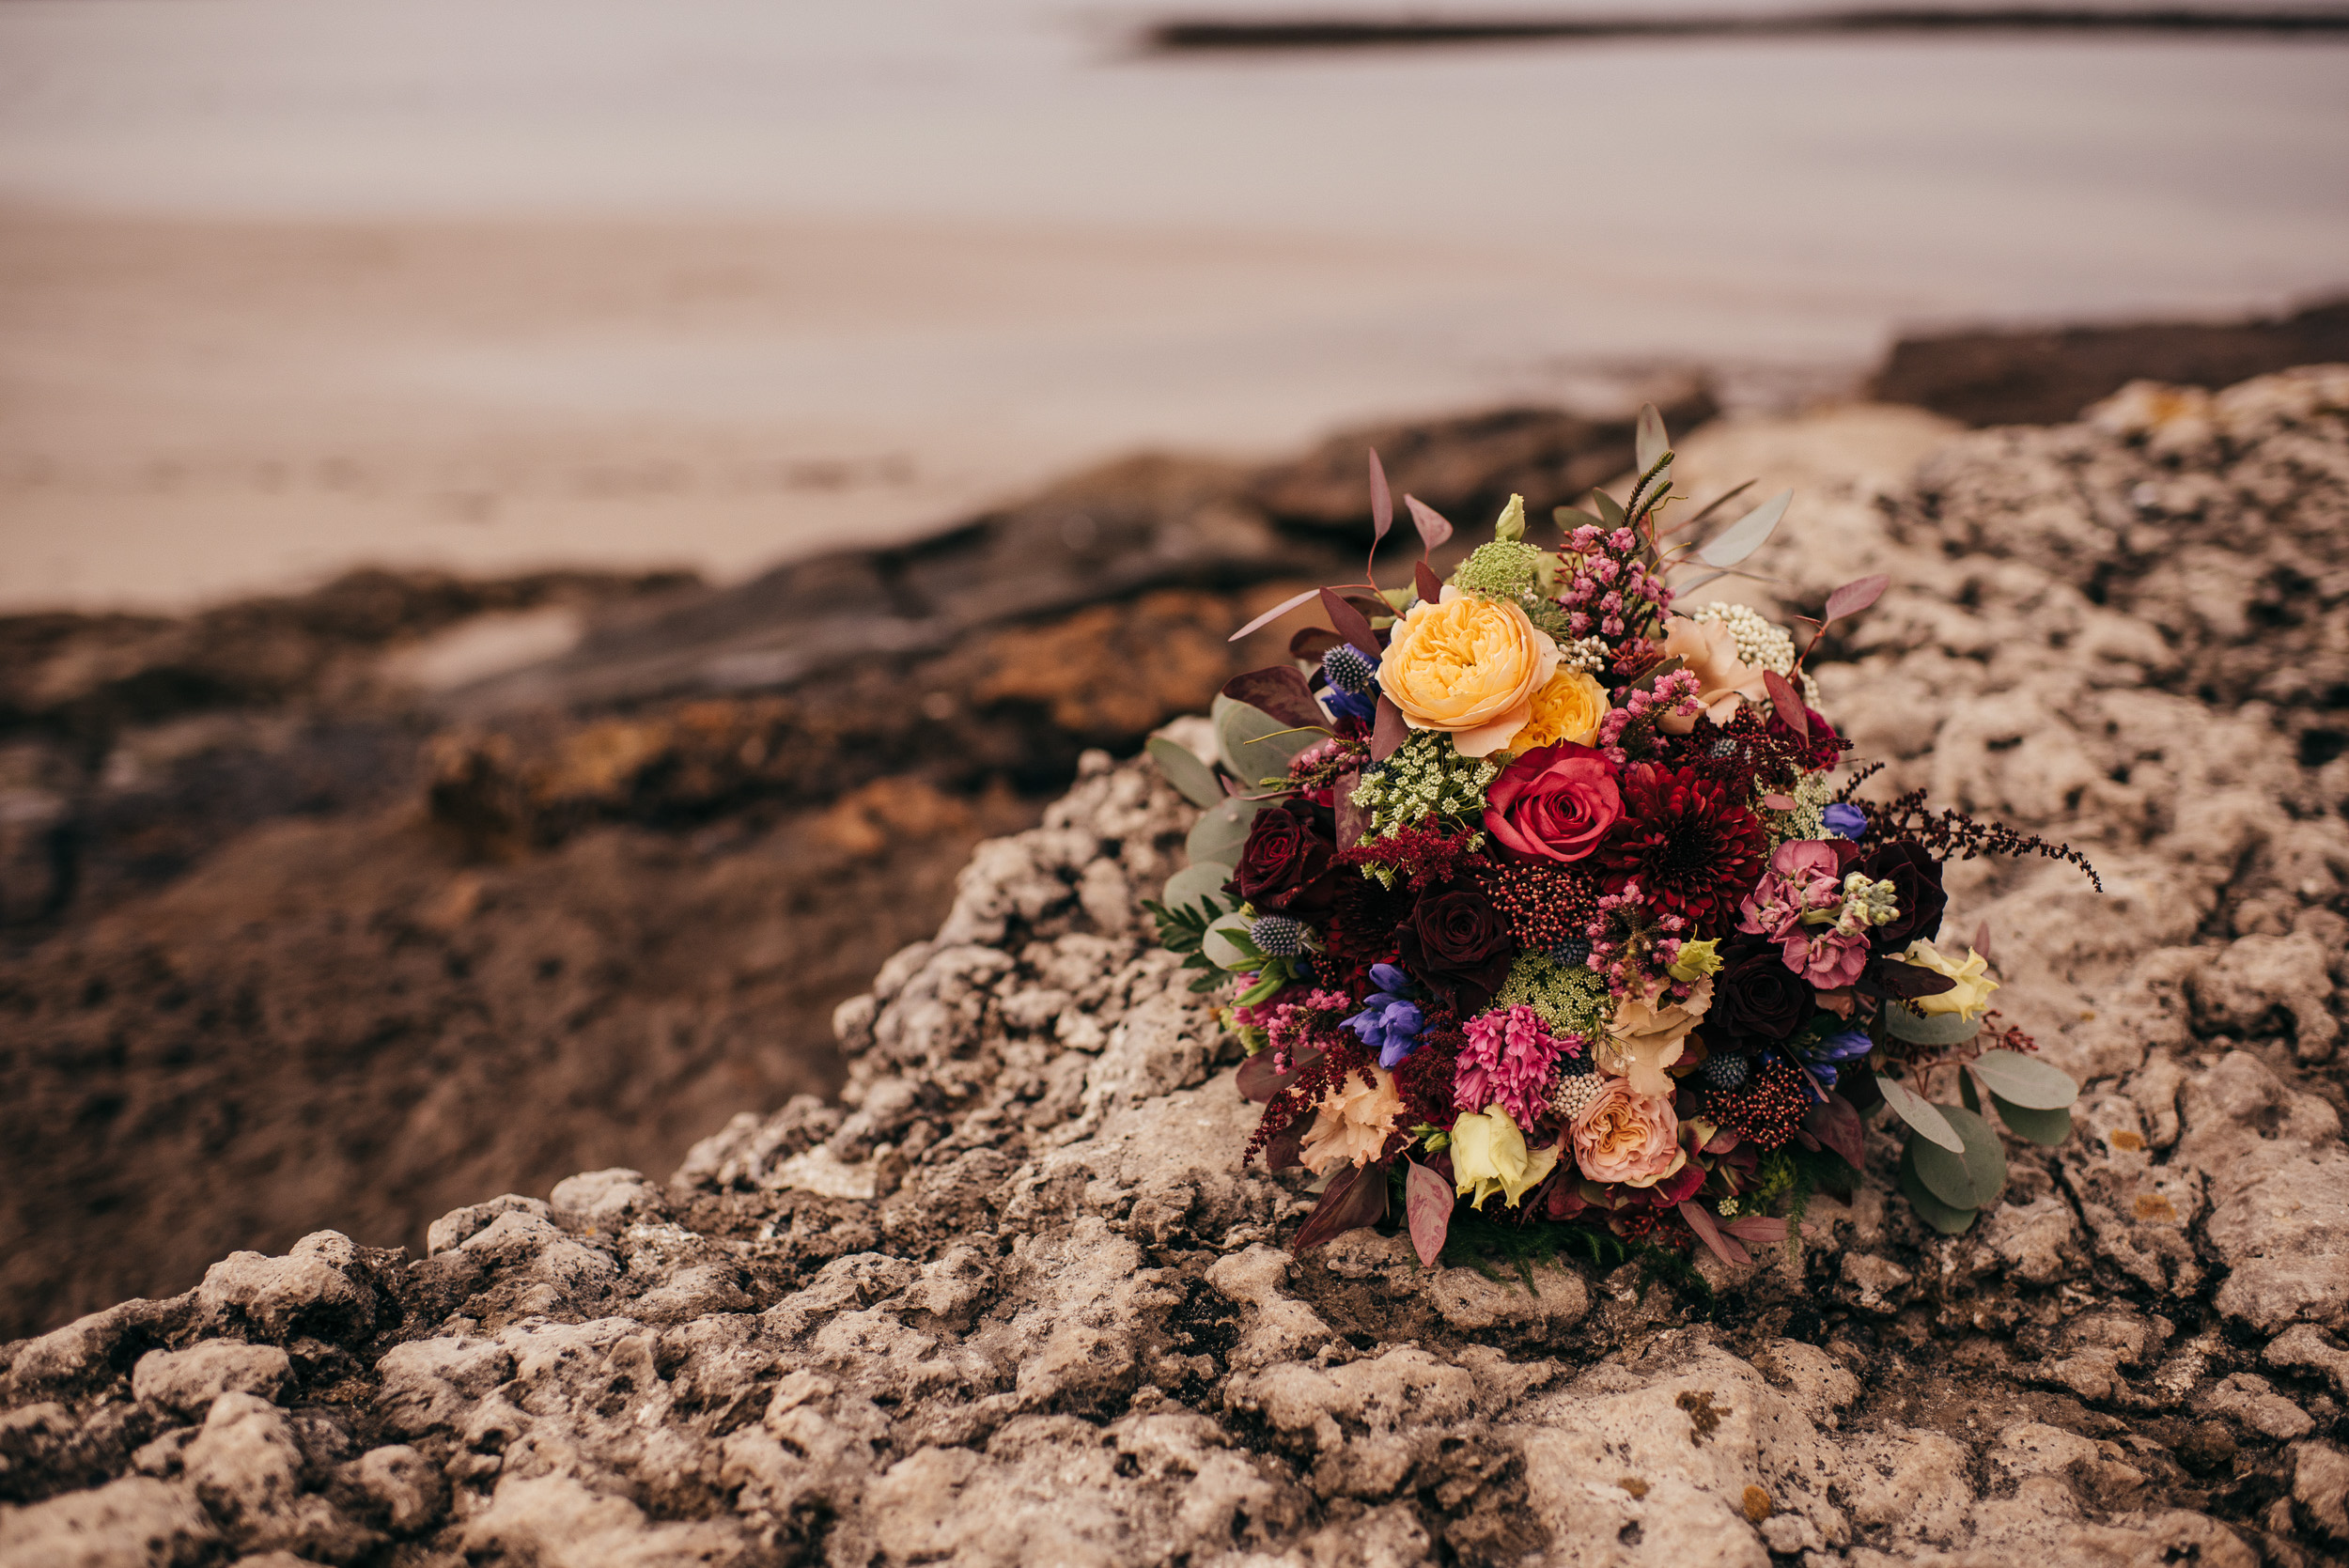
x=1760, y=644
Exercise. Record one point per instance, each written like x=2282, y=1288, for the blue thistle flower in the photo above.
x=1349, y=670
x=1724, y=1072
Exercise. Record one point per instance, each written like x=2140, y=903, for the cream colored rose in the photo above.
x=1352, y=1122
x=1708, y=650
x=1468, y=667
x=1570, y=707
x=1627, y=1136
x=1648, y=1034
x=1489, y=1155
x=1970, y=995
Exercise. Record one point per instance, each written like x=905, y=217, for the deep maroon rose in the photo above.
x=1916, y=878
x=1286, y=864
x=1756, y=995
x=1555, y=802
x=1459, y=946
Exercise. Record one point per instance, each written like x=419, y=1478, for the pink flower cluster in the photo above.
x=1506, y=1062
x=1796, y=904
x=1608, y=575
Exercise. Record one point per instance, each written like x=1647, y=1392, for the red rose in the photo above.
x=1555, y=803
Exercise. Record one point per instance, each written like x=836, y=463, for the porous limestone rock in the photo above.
x=1016, y=1298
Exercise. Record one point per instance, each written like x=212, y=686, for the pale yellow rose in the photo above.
x=1489, y=1155
x=1648, y=1034
x=1708, y=650
x=1570, y=707
x=1970, y=995
x=1467, y=667
x=1352, y=1122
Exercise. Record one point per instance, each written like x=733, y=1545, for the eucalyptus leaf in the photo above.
x=1932, y=1210
x=1609, y=509
x=1227, y=944
x=1193, y=778
x=1928, y=1029
x=1221, y=829
x=2026, y=1081
x=1201, y=882
x=1255, y=745
x=1921, y=1113
x=1741, y=539
x=1972, y=1178
x=1652, y=442
x=2049, y=1127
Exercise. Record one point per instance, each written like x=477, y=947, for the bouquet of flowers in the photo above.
x=1538, y=903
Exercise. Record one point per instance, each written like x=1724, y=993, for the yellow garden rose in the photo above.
x=1570, y=707
x=1489, y=1155
x=1972, y=994
x=1467, y=667
x=1351, y=1122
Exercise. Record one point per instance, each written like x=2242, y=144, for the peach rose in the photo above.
x=1570, y=707
x=1351, y=1122
x=1625, y=1137
x=1709, y=652
x=1468, y=667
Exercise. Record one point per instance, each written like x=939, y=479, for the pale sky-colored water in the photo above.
x=1338, y=235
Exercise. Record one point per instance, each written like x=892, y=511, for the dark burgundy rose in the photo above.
x=1755, y=996
x=1916, y=878
x=1456, y=944
x=1287, y=862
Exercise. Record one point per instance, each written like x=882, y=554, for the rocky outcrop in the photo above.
x=1013, y=1298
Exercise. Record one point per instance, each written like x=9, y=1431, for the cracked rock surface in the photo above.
x=1015, y=1300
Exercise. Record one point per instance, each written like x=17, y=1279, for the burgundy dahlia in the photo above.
x=1694, y=846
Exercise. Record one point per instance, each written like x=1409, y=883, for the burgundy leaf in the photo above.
x=1836, y=1125
x=1761, y=1229
x=1280, y=1154
x=1353, y=821
x=1433, y=528
x=1702, y=1222
x=1856, y=1083
x=1356, y=1197
x=1274, y=613
x=1259, y=1078
x=1425, y=581
x=1381, y=501
x=1313, y=642
x=1855, y=596
x=1905, y=981
x=1279, y=689
x=1351, y=623
x=1788, y=702
x=1427, y=1205
x=1388, y=731
x=1982, y=940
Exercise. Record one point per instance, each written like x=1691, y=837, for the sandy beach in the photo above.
x=285, y=290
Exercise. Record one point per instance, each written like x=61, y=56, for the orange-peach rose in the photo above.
x=1468, y=667
x=1709, y=651
x=1621, y=1136
x=1352, y=1122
